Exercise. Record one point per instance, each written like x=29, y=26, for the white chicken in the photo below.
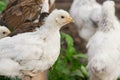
x=104, y=46
x=31, y=52
x=4, y=31
x=86, y=14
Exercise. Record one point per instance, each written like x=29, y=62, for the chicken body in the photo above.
x=86, y=14
x=23, y=24
x=33, y=52
x=104, y=46
x=21, y=11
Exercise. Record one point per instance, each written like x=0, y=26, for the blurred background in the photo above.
x=71, y=64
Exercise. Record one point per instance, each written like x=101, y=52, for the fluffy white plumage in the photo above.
x=52, y=2
x=86, y=14
x=4, y=32
x=33, y=51
x=104, y=46
x=46, y=5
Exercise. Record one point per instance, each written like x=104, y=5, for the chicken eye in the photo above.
x=4, y=32
x=62, y=17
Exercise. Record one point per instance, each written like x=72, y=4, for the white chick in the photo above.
x=32, y=52
x=104, y=46
x=4, y=31
x=86, y=14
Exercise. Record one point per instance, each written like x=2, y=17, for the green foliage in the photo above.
x=70, y=64
x=2, y=5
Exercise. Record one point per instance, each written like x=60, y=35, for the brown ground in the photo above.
x=71, y=28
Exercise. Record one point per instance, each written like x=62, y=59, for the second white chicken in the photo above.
x=86, y=14
x=104, y=46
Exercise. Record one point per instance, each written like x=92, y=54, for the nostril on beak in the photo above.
x=70, y=19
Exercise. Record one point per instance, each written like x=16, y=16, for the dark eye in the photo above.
x=4, y=32
x=62, y=17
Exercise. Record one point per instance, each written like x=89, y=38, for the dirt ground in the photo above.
x=72, y=29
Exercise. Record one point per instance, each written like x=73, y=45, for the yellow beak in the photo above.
x=69, y=19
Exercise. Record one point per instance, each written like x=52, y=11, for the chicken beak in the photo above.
x=69, y=19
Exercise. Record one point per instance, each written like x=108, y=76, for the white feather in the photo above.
x=86, y=14
x=45, y=7
x=104, y=46
x=52, y=2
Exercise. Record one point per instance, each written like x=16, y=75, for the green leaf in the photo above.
x=68, y=39
x=77, y=73
x=2, y=5
x=70, y=45
x=84, y=71
x=80, y=55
